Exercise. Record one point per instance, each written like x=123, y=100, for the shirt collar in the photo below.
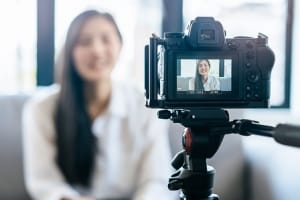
x=117, y=104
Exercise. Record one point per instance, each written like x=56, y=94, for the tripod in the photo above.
x=193, y=176
x=202, y=138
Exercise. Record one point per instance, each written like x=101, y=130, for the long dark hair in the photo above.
x=76, y=145
x=198, y=78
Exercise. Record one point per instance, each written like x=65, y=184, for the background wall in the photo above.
x=276, y=164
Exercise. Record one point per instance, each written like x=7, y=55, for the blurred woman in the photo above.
x=91, y=137
x=203, y=81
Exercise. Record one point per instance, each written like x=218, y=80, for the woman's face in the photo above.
x=203, y=68
x=97, y=50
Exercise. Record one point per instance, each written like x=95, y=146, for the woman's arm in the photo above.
x=216, y=83
x=43, y=178
x=155, y=166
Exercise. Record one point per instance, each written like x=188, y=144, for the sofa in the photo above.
x=184, y=83
x=239, y=173
x=230, y=171
x=11, y=165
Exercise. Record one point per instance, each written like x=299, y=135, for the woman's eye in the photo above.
x=105, y=39
x=84, y=41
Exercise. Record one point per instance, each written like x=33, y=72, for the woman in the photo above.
x=92, y=137
x=203, y=81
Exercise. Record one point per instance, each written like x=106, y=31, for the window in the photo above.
x=295, y=94
x=18, y=46
x=247, y=18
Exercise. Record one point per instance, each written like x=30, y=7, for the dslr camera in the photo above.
x=200, y=68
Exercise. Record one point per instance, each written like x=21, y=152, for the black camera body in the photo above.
x=202, y=69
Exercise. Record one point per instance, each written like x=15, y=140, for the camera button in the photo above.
x=248, y=64
x=253, y=76
x=173, y=35
x=233, y=45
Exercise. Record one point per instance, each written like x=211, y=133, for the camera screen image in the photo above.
x=204, y=76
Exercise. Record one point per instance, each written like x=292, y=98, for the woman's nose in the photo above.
x=98, y=48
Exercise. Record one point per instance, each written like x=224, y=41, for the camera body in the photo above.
x=202, y=69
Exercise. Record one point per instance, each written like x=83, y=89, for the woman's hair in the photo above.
x=198, y=79
x=76, y=145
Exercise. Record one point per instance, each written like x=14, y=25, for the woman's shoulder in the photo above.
x=43, y=100
x=128, y=98
x=132, y=102
x=214, y=78
x=130, y=91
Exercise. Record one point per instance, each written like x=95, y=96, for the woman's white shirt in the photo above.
x=133, y=159
x=212, y=83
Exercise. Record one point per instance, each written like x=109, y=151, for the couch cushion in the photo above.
x=11, y=165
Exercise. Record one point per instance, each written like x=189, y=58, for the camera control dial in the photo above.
x=253, y=76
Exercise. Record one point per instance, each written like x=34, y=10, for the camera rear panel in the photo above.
x=235, y=74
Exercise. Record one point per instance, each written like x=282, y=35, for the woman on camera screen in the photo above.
x=203, y=81
x=92, y=137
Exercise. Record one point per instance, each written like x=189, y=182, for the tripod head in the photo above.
x=204, y=133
